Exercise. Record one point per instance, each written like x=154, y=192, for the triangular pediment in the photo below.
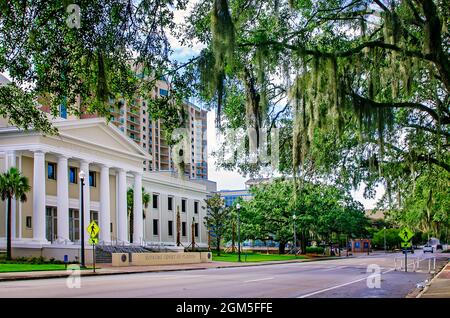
x=100, y=133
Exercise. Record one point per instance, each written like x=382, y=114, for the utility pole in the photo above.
x=82, y=176
x=238, y=207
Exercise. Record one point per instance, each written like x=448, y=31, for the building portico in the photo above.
x=53, y=204
x=50, y=219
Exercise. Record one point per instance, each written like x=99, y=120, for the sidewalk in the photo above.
x=439, y=286
x=107, y=269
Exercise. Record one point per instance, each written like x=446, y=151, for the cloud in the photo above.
x=226, y=180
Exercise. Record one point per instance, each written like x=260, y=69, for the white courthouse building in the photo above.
x=48, y=223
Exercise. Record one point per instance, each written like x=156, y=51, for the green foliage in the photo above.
x=12, y=185
x=359, y=90
x=314, y=250
x=46, y=55
x=320, y=210
x=216, y=219
x=426, y=205
x=393, y=240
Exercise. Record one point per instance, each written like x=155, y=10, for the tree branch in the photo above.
x=362, y=100
x=433, y=131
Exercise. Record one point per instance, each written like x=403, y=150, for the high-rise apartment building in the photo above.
x=198, y=164
x=134, y=120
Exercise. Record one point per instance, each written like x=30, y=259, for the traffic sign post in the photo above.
x=93, y=231
x=406, y=235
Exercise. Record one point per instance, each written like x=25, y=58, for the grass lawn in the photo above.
x=253, y=257
x=30, y=267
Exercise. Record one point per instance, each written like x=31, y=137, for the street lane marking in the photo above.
x=329, y=269
x=258, y=280
x=339, y=286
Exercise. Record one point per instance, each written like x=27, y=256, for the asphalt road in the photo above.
x=333, y=278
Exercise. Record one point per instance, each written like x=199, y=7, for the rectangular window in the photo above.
x=196, y=229
x=170, y=228
x=170, y=203
x=155, y=201
x=74, y=225
x=196, y=207
x=73, y=175
x=183, y=205
x=92, y=181
x=163, y=92
x=155, y=227
x=29, y=222
x=63, y=111
x=183, y=228
x=94, y=216
x=51, y=170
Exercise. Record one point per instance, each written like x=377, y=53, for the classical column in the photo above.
x=11, y=157
x=138, y=217
x=62, y=180
x=39, y=179
x=105, y=216
x=122, y=228
x=84, y=166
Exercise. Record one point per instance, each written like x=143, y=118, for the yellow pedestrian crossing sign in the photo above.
x=93, y=241
x=93, y=229
x=406, y=234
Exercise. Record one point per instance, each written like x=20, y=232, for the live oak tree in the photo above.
x=321, y=210
x=359, y=89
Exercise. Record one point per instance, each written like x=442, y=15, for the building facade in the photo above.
x=50, y=218
x=230, y=196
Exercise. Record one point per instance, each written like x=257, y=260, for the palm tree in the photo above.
x=12, y=185
x=130, y=207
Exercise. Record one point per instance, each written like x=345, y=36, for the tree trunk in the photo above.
x=233, y=238
x=218, y=245
x=281, y=247
x=8, y=231
x=131, y=226
x=303, y=242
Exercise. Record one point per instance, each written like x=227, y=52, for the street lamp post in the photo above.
x=385, y=240
x=238, y=207
x=82, y=176
x=294, y=217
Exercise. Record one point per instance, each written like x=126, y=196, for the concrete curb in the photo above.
x=436, y=276
x=65, y=275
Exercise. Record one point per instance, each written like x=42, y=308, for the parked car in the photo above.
x=428, y=248
x=408, y=250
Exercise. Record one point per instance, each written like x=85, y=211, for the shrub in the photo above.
x=314, y=249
